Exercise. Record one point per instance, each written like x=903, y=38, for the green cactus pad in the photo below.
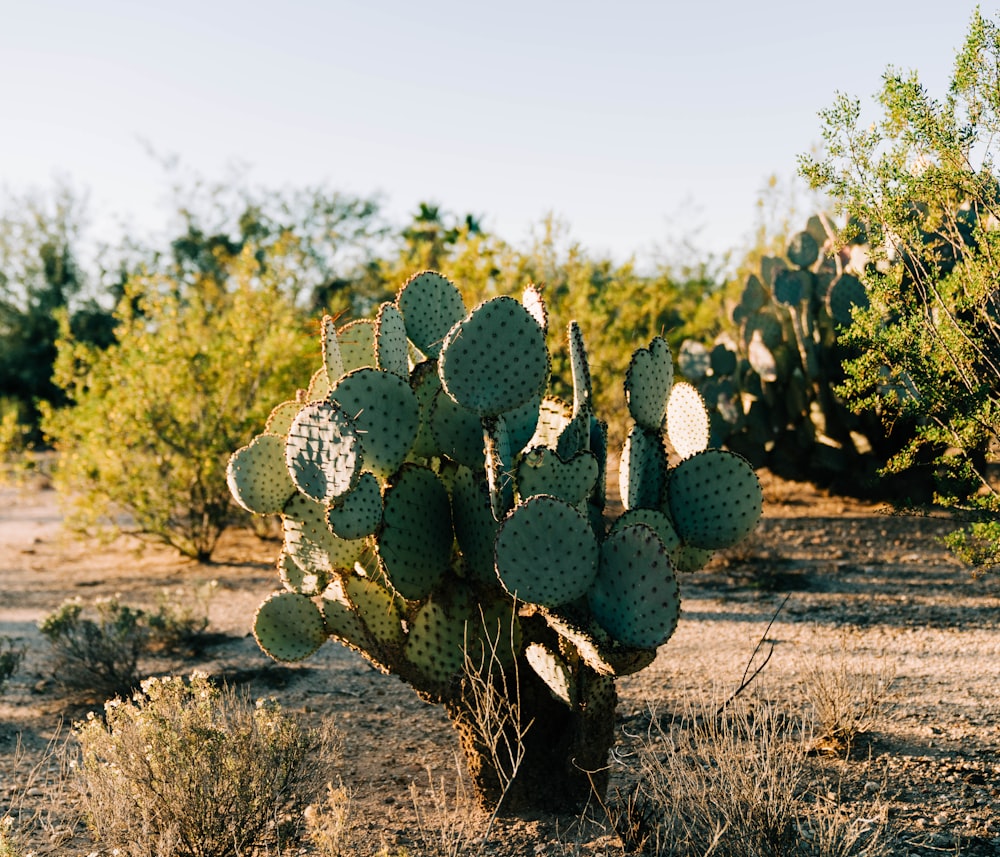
x=715, y=499
x=391, y=345
x=583, y=392
x=319, y=386
x=379, y=610
x=332, y=361
x=499, y=465
x=803, y=249
x=687, y=420
x=457, y=431
x=357, y=345
x=542, y=471
x=575, y=438
x=493, y=632
x=495, y=359
x=546, y=552
x=793, y=287
x=688, y=559
x=414, y=545
x=281, y=418
x=693, y=360
x=436, y=642
x=426, y=386
x=535, y=304
x=289, y=627
x=647, y=384
x=298, y=579
x=844, y=295
x=359, y=512
x=723, y=359
x=635, y=595
x=342, y=620
x=475, y=527
x=599, y=448
x=642, y=470
x=431, y=306
x=754, y=295
x=766, y=326
x=257, y=476
x=386, y=415
x=554, y=671
x=323, y=451
x=770, y=267
x=522, y=422
x=310, y=543
x=659, y=522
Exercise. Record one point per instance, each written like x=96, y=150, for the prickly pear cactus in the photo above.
x=771, y=386
x=444, y=517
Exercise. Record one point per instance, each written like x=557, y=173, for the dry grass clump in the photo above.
x=737, y=785
x=192, y=770
x=847, y=702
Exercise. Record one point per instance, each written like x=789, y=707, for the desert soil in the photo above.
x=867, y=592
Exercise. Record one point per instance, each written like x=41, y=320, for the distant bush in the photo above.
x=191, y=770
x=144, y=445
x=10, y=659
x=96, y=648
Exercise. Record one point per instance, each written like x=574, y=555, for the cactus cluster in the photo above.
x=770, y=385
x=440, y=511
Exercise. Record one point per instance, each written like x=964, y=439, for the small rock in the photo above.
x=871, y=787
x=940, y=818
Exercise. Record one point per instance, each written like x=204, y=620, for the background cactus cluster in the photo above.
x=442, y=515
x=771, y=384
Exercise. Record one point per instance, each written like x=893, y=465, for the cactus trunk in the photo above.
x=565, y=760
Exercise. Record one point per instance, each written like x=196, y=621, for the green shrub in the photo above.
x=191, y=770
x=144, y=446
x=922, y=180
x=96, y=648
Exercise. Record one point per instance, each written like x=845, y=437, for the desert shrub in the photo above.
x=96, y=648
x=10, y=659
x=922, y=181
x=187, y=769
x=144, y=445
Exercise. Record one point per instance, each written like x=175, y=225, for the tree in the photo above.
x=922, y=183
x=152, y=418
x=40, y=276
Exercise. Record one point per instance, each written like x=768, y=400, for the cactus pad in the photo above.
x=391, y=345
x=357, y=345
x=475, y=527
x=583, y=393
x=309, y=541
x=693, y=360
x=436, y=642
x=359, y=512
x=426, y=386
x=431, y=306
x=332, y=361
x=380, y=611
x=495, y=359
x=690, y=559
x=281, y=418
x=289, y=627
x=844, y=295
x=542, y=471
x=257, y=476
x=414, y=545
x=535, y=304
x=687, y=420
x=647, y=384
x=635, y=595
x=554, y=671
x=803, y=249
x=341, y=616
x=659, y=522
x=298, y=579
x=386, y=415
x=715, y=499
x=319, y=386
x=323, y=451
x=457, y=432
x=642, y=470
x=499, y=465
x=546, y=552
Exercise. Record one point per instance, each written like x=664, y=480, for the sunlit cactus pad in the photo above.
x=289, y=626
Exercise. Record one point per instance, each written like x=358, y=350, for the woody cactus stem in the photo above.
x=444, y=517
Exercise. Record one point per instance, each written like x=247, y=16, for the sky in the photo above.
x=639, y=124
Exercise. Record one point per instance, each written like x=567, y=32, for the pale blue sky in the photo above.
x=636, y=122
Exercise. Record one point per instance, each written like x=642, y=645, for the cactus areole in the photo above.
x=445, y=518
